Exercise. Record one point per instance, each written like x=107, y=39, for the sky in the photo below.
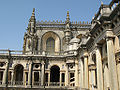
x=15, y=14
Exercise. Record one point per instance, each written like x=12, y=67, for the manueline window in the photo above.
x=50, y=45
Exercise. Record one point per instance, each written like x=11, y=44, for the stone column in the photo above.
x=112, y=64
x=99, y=69
x=30, y=75
x=106, y=77
x=67, y=76
x=33, y=77
x=76, y=73
x=86, y=71
x=49, y=78
x=5, y=75
x=81, y=74
x=93, y=80
x=12, y=77
x=118, y=70
x=42, y=76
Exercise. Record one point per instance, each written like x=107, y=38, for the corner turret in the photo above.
x=67, y=31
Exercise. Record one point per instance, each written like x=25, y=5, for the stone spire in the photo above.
x=67, y=31
x=32, y=23
x=32, y=19
x=67, y=22
x=33, y=13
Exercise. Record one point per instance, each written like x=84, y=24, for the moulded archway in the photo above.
x=54, y=73
x=56, y=39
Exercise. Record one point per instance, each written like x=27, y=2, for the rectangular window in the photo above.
x=36, y=76
x=72, y=77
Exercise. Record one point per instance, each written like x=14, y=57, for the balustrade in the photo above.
x=18, y=83
x=37, y=83
x=72, y=83
x=54, y=83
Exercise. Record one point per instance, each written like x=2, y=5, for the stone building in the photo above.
x=67, y=55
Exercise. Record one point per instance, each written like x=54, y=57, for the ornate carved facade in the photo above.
x=67, y=55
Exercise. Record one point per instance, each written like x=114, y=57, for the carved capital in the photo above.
x=109, y=38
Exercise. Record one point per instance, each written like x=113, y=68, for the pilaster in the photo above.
x=85, y=71
x=99, y=68
x=30, y=75
x=112, y=64
x=67, y=76
x=81, y=74
x=43, y=72
x=76, y=73
x=5, y=75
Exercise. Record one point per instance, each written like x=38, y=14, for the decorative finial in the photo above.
x=33, y=13
x=68, y=17
x=67, y=14
x=101, y=2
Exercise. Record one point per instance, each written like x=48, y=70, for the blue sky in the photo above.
x=15, y=14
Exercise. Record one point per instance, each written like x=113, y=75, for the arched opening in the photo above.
x=18, y=73
x=50, y=45
x=54, y=74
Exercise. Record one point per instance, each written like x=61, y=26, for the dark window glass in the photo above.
x=46, y=77
x=1, y=75
x=50, y=45
x=119, y=40
x=36, y=76
x=26, y=76
x=63, y=77
x=72, y=77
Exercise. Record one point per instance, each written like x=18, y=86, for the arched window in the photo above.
x=50, y=45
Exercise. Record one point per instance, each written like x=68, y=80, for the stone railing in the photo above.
x=72, y=84
x=9, y=83
x=62, y=83
x=18, y=83
x=61, y=22
x=37, y=83
x=8, y=52
x=54, y=84
x=16, y=52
